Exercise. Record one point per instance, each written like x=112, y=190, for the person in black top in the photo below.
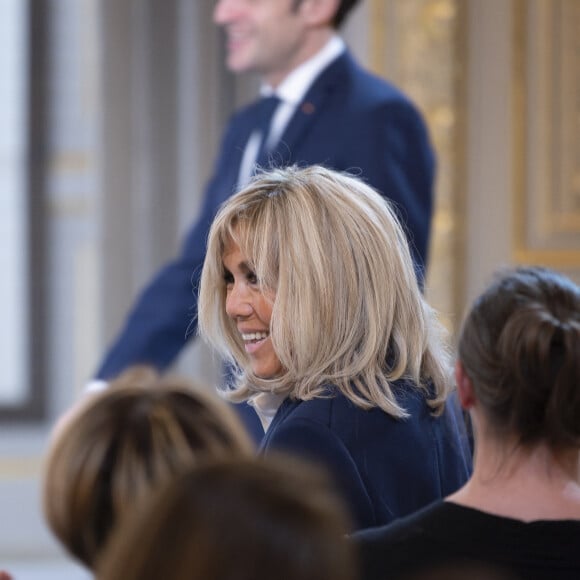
x=518, y=375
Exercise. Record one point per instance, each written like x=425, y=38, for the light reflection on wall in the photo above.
x=13, y=203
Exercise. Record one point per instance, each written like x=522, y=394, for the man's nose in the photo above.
x=225, y=10
x=238, y=302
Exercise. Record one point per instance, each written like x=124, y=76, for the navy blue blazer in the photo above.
x=384, y=467
x=349, y=120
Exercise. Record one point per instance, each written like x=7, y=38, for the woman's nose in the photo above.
x=238, y=302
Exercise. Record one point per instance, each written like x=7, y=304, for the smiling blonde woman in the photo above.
x=309, y=289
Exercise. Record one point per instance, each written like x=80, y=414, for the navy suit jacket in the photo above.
x=384, y=467
x=349, y=120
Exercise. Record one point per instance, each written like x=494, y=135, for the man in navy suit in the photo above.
x=326, y=110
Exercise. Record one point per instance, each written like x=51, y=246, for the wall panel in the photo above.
x=547, y=129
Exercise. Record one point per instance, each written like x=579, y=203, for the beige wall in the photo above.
x=498, y=81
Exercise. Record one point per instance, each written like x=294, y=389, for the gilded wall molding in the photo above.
x=421, y=45
x=547, y=133
x=378, y=47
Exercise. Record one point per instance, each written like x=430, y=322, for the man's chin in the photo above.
x=237, y=64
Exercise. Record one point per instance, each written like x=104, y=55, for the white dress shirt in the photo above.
x=291, y=92
x=266, y=405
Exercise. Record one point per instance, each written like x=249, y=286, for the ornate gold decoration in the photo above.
x=426, y=45
x=547, y=133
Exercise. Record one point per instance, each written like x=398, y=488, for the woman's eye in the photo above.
x=228, y=278
x=252, y=278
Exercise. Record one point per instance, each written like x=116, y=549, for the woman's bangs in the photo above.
x=242, y=234
x=232, y=233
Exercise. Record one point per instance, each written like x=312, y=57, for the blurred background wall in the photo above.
x=127, y=100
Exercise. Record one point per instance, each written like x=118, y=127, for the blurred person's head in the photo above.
x=308, y=281
x=239, y=519
x=117, y=445
x=519, y=359
x=273, y=37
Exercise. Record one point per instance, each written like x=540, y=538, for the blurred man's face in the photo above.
x=263, y=36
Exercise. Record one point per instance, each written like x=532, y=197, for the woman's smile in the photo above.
x=254, y=340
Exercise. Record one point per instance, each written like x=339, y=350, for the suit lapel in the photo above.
x=283, y=411
x=308, y=111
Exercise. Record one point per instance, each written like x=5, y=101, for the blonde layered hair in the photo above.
x=348, y=310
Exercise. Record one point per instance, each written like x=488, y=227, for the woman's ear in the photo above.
x=464, y=387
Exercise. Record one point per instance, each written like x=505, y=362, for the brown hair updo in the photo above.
x=520, y=346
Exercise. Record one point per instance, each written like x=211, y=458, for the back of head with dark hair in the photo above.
x=240, y=519
x=520, y=346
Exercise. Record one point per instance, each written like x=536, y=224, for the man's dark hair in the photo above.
x=344, y=7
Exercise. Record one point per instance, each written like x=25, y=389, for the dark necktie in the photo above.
x=266, y=108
